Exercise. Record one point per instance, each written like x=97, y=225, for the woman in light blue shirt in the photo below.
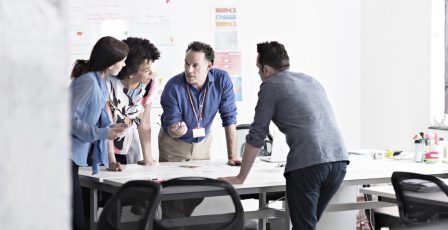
x=89, y=120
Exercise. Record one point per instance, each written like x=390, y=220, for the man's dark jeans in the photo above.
x=308, y=191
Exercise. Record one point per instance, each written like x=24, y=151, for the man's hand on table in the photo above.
x=234, y=162
x=232, y=179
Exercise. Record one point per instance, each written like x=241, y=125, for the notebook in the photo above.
x=280, y=149
x=417, y=185
x=365, y=152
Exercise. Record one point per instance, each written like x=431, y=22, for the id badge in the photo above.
x=198, y=132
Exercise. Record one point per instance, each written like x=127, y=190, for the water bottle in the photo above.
x=419, y=150
x=443, y=149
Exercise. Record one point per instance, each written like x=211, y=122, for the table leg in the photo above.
x=287, y=218
x=261, y=204
x=93, y=208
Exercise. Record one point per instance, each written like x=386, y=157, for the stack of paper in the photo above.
x=418, y=185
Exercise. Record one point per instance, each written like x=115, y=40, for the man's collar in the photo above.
x=277, y=73
x=210, y=76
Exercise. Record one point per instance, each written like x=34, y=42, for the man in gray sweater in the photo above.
x=298, y=105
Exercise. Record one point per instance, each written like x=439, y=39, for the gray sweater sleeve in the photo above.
x=264, y=111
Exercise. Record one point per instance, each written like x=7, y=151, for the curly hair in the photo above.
x=140, y=49
x=202, y=47
x=273, y=54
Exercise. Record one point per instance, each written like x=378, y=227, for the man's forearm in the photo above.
x=231, y=141
x=250, y=153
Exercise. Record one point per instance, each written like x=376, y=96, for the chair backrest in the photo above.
x=411, y=211
x=280, y=148
x=132, y=207
x=197, y=203
x=241, y=132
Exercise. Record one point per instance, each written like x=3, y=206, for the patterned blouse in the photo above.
x=129, y=104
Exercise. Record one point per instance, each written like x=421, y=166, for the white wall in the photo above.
x=399, y=70
x=34, y=169
x=322, y=38
x=377, y=60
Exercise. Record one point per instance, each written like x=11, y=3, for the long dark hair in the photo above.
x=106, y=52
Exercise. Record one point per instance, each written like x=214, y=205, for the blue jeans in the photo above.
x=308, y=191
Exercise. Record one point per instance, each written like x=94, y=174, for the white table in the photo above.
x=387, y=193
x=265, y=177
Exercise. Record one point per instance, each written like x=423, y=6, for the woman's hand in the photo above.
x=127, y=121
x=145, y=162
x=115, y=167
x=116, y=130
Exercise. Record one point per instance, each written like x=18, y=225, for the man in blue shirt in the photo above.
x=190, y=101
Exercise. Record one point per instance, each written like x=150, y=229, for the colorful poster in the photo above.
x=237, y=88
x=227, y=55
x=225, y=24
x=229, y=61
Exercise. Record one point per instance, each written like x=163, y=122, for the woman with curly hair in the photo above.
x=130, y=95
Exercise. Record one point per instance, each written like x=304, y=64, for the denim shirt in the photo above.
x=218, y=97
x=87, y=102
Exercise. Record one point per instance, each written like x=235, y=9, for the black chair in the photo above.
x=413, y=212
x=132, y=207
x=241, y=132
x=220, y=209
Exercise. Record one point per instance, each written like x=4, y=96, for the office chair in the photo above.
x=132, y=207
x=413, y=212
x=241, y=132
x=205, y=204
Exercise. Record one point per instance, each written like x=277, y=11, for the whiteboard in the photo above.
x=170, y=25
